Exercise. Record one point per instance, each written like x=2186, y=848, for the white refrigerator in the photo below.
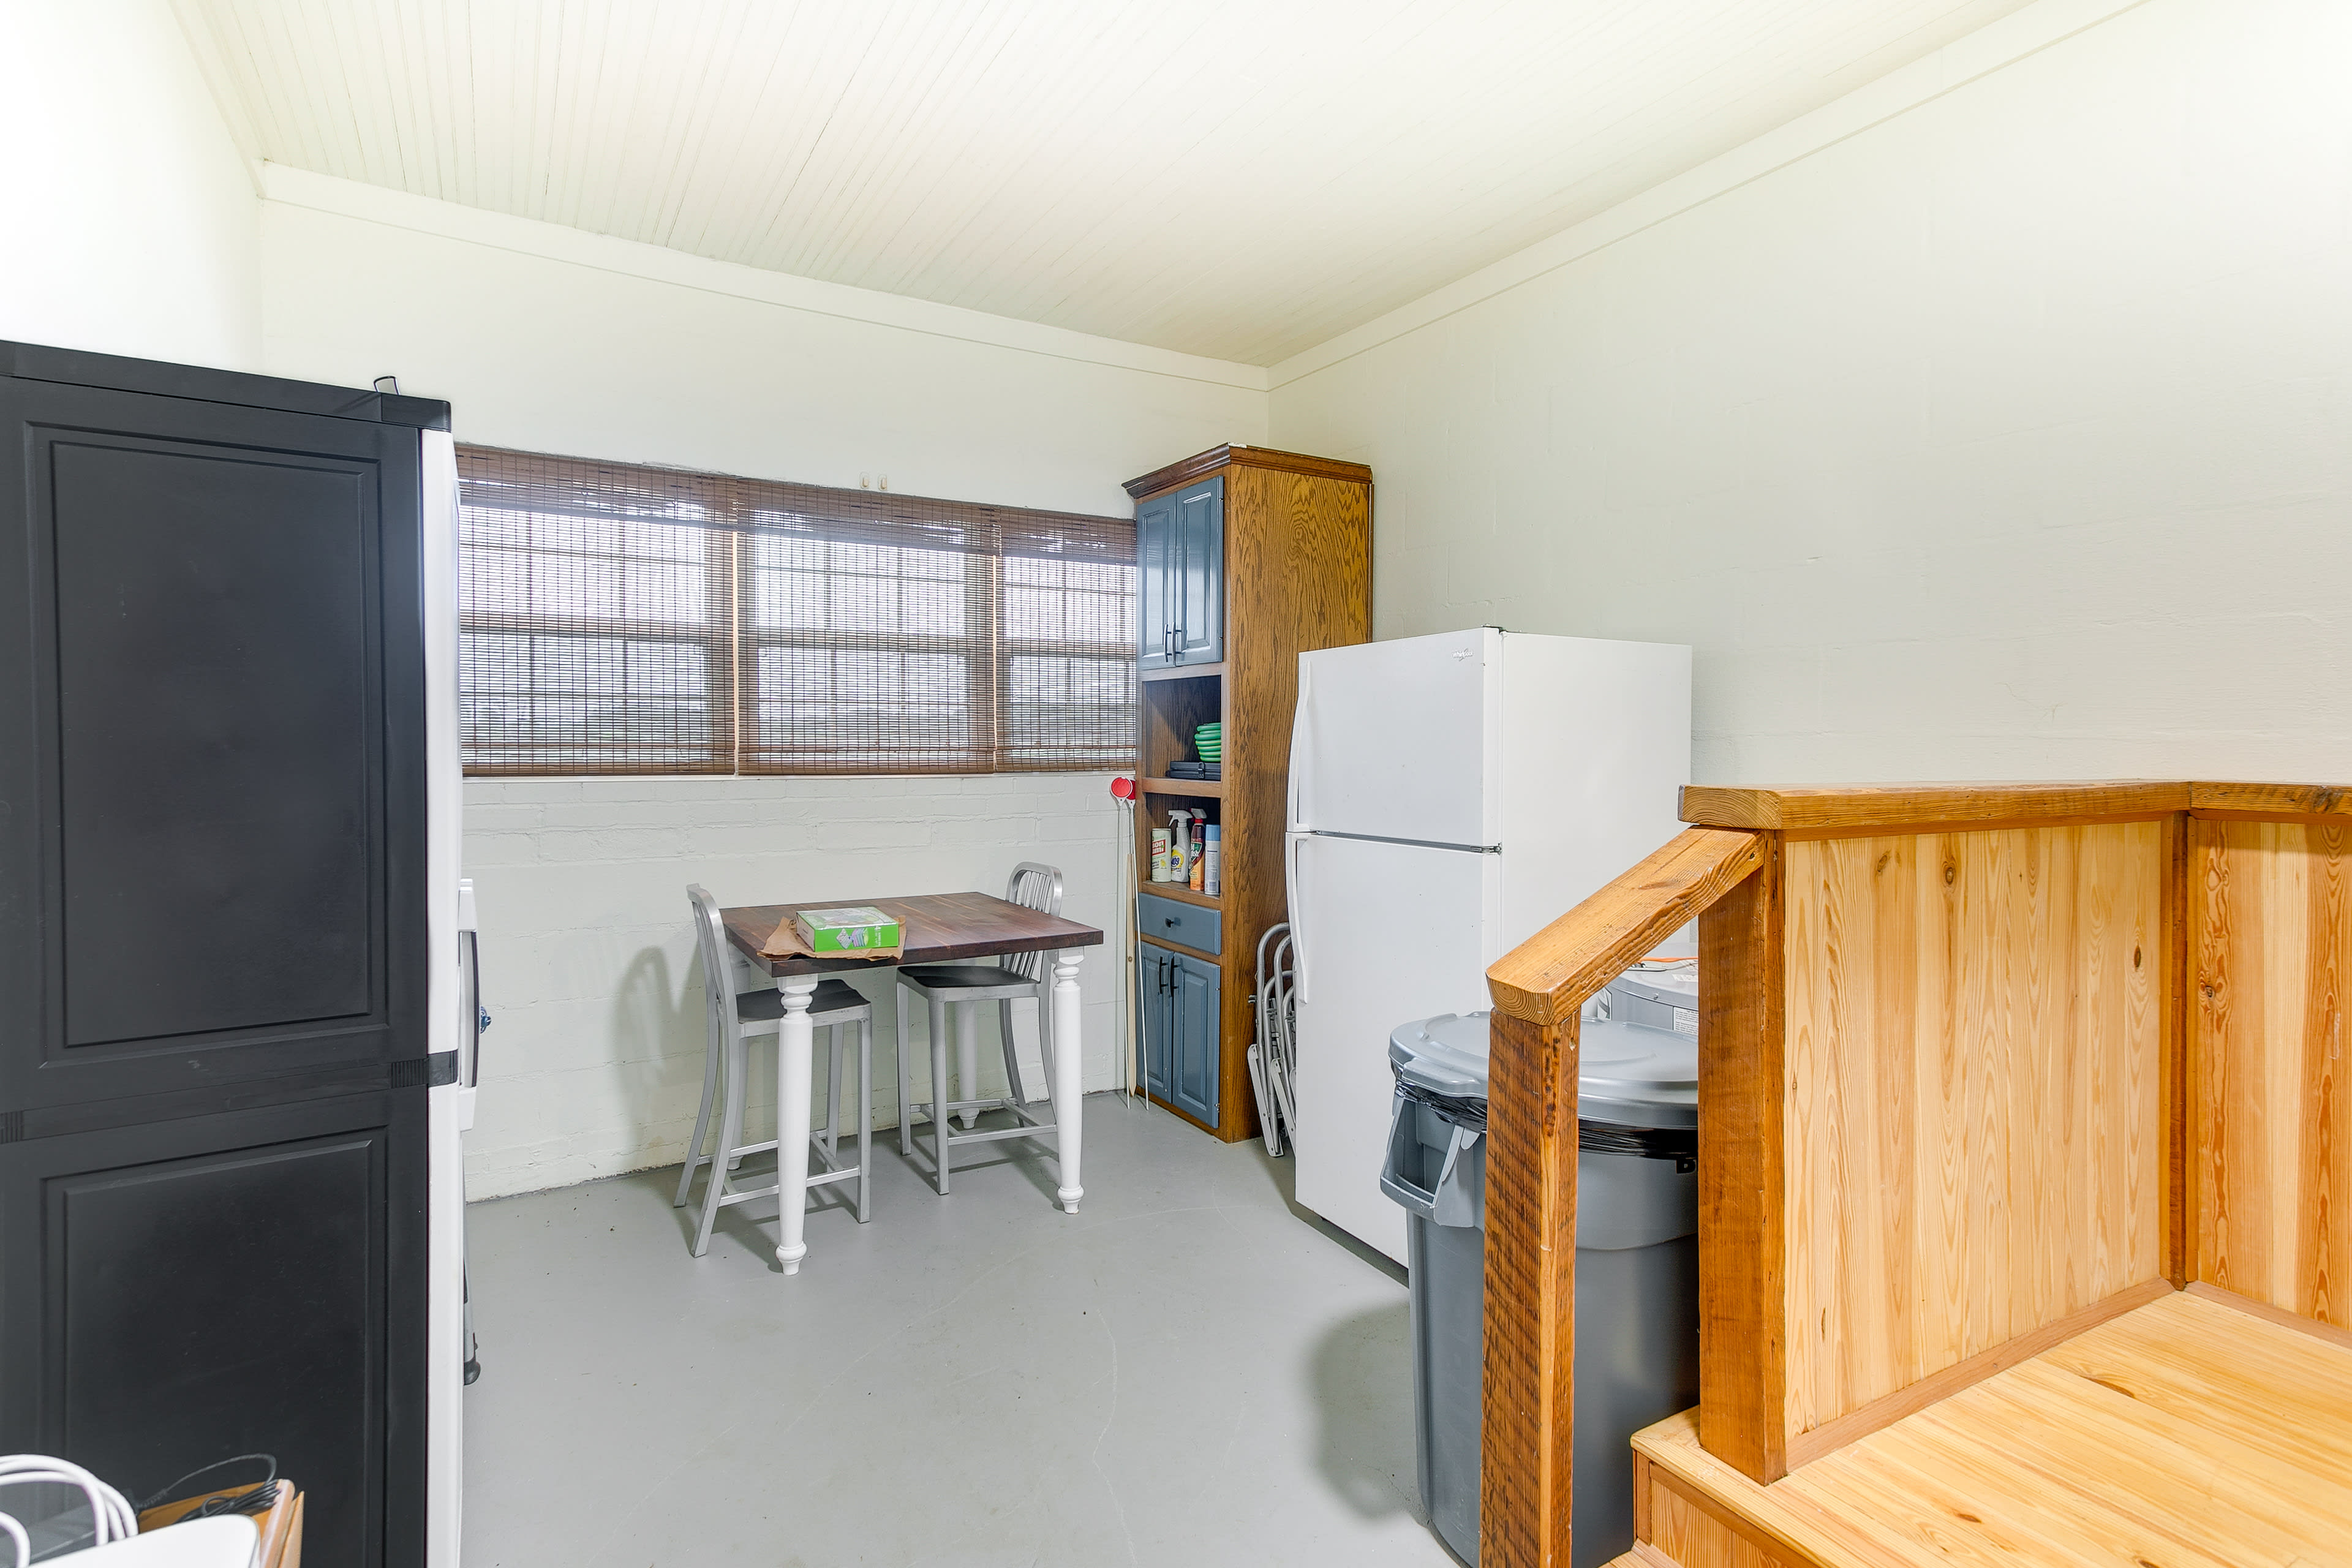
x=1449, y=797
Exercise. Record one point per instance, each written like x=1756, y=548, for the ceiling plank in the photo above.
x=1236, y=179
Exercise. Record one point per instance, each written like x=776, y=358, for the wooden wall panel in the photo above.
x=1975, y=1050
x=2271, y=1122
x=1299, y=563
x=1743, y=1323
x=1693, y=1538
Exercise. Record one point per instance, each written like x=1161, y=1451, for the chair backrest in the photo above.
x=717, y=973
x=1032, y=886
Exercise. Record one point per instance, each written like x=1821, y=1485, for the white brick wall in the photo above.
x=594, y=1063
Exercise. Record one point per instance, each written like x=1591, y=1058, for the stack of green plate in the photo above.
x=1209, y=740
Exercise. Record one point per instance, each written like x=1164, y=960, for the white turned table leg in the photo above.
x=792, y=1117
x=1069, y=1075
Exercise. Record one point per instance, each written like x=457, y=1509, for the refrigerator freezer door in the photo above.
x=1383, y=934
x=1391, y=740
x=1595, y=748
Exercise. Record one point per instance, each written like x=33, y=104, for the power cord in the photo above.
x=258, y=1500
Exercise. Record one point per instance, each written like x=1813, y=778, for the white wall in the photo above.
x=1997, y=423
x=549, y=340
x=132, y=219
x=546, y=339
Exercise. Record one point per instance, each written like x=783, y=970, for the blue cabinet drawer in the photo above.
x=1186, y=925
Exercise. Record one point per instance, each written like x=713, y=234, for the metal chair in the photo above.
x=959, y=989
x=733, y=1018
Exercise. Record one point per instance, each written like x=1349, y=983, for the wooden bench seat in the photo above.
x=2198, y=1431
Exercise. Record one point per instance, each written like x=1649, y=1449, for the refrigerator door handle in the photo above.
x=1299, y=973
x=1297, y=742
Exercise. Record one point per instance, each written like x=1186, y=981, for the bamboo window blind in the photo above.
x=623, y=619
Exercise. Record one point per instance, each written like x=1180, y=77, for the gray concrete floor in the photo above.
x=1191, y=1371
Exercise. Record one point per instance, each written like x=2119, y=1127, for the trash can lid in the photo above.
x=1445, y=1055
x=1630, y=1076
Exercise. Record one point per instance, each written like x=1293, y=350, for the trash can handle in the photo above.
x=1403, y=1134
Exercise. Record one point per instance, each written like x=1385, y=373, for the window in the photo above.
x=616, y=620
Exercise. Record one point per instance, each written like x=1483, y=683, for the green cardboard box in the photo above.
x=858, y=928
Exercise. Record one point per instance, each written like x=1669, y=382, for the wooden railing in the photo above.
x=1526, y=1435
x=1979, y=1066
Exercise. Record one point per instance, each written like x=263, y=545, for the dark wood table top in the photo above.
x=940, y=927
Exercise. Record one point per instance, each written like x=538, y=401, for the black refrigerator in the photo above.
x=223, y=938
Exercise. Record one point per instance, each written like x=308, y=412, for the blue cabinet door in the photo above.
x=1156, y=998
x=1196, y=573
x=1155, y=591
x=1194, y=1068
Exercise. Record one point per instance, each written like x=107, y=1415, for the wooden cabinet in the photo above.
x=1155, y=608
x=1182, y=1007
x=1246, y=558
x=1179, y=544
x=1196, y=573
x=1194, y=1073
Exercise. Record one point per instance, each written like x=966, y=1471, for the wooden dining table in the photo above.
x=937, y=928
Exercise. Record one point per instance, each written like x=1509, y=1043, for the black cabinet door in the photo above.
x=211, y=744
x=1196, y=573
x=1155, y=601
x=1158, y=999
x=250, y=1281
x=1194, y=1035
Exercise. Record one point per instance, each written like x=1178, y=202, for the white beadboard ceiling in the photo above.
x=1237, y=180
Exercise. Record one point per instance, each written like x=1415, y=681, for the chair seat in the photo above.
x=832, y=996
x=963, y=977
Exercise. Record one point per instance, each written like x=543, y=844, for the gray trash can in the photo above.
x=1636, y=1258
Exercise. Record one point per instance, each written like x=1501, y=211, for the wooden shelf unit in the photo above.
x=1295, y=575
x=1207, y=789
x=1182, y=893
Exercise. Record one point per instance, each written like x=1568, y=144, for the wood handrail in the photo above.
x=1552, y=974
x=1818, y=809
x=1527, y=1427
x=1900, y=808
